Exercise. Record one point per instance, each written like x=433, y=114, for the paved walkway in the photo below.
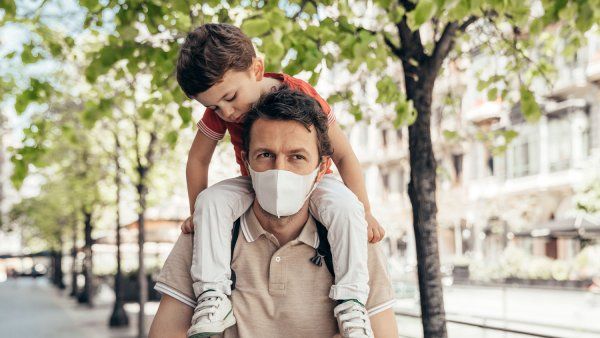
x=34, y=308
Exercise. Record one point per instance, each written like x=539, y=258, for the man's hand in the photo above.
x=187, y=226
x=374, y=230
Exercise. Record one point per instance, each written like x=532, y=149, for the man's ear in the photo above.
x=258, y=68
x=323, y=167
x=245, y=159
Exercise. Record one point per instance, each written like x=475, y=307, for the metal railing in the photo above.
x=486, y=326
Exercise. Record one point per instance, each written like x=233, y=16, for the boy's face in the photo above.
x=233, y=97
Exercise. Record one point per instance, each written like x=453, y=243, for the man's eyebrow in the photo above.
x=261, y=150
x=298, y=150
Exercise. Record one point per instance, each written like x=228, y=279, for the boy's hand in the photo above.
x=187, y=226
x=374, y=230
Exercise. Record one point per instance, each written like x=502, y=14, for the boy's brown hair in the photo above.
x=208, y=53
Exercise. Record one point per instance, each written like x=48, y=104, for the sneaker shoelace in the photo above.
x=207, y=306
x=354, y=321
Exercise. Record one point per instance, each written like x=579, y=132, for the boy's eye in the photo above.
x=231, y=98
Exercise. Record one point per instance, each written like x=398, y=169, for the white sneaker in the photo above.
x=213, y=314
x=353, y=320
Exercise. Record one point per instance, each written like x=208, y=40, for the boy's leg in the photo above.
x=340, y=211
x=216, y=208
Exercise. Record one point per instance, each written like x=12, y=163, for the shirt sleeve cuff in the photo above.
x=330, y=118
x=211, y=134
x=169, y=291
x=380, y=308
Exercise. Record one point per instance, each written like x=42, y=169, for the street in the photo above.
x=34, y=308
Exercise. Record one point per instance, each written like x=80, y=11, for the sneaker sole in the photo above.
x=227, y=322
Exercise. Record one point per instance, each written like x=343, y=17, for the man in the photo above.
x=280, y=290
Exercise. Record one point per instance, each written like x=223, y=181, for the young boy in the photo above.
x=218, y=67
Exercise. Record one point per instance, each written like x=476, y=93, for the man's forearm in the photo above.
x=172, y=320
x=384, y=324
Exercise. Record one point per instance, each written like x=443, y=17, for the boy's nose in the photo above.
x=228, y=112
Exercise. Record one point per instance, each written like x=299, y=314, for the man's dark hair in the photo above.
x=289, y=105
x=208, y=53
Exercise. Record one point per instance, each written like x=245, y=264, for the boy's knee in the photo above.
x=209, y=197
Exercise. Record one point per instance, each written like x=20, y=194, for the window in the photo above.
x=559, y=144
x=499, y=163
x=457, y=160
x=386, y=182
x=384, y=137
x=521, y=159
x=525, y=152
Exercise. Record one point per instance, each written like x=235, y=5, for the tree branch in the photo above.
x=408, y=6
x=443, y=46
x=395, y=49
x=412, y=46
x=467, y=22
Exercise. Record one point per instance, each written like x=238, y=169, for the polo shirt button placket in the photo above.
x=277, y=259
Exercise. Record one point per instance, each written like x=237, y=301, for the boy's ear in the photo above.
x=258, y=68
x=323, y=167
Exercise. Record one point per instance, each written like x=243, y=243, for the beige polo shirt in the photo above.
x=279, y=291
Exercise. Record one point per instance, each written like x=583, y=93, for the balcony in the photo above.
x=484, y=112
x=571, y=81
x=592, y=71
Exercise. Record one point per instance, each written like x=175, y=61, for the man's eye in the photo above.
x=265, y=155
x=299, y=157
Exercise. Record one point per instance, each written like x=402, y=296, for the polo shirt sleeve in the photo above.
x=174, y=278
x=211, y=125
x=381, y=294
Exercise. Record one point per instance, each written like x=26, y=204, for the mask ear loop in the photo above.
x=314, y=185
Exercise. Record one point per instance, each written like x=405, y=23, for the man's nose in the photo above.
x=280, y=163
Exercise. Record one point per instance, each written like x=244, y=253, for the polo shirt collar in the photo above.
x=252, y=229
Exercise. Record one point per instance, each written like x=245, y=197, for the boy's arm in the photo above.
x=347, y=163
x=199, y=158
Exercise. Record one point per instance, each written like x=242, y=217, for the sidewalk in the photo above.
x=35, y=308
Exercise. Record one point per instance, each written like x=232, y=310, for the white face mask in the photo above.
x=282, y=192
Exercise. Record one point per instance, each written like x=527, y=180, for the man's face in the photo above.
x=284, y=145
x=233, y=97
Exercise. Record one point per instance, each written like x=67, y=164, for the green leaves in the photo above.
x=389, y=93
x=186, y=115
x=256, y=27
x=423, y=12
x=9, y=7
x=37, y=91
x=529, y=107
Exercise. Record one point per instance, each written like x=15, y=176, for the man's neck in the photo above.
x=284, y=229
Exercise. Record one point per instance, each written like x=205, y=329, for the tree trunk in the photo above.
x=57, y=256
x=74, y=290
x=86, y=294
x=143, y=282
x=119, y=316
x=422, y=194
